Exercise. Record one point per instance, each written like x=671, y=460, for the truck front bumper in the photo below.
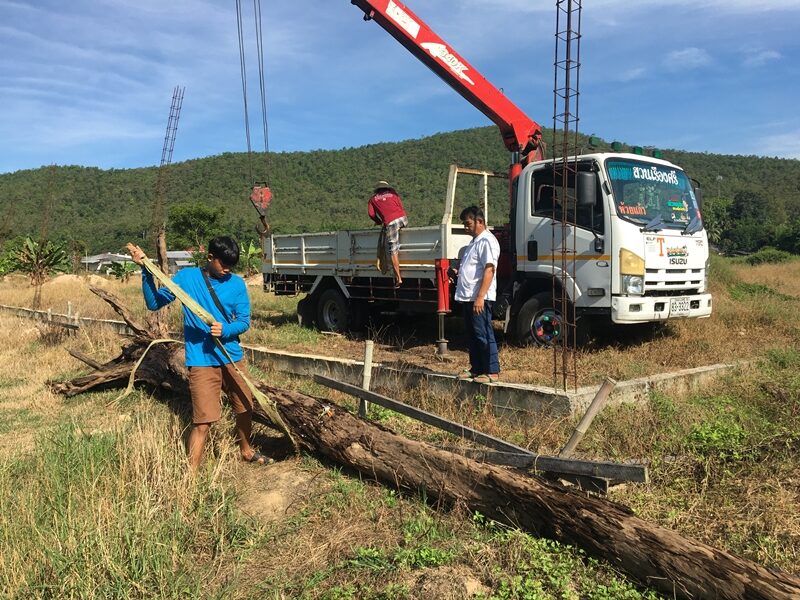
x=644, y=309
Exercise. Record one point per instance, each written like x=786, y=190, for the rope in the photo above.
x=132, y=377
x=267, y=403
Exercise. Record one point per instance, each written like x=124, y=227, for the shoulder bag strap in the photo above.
x=214, y=296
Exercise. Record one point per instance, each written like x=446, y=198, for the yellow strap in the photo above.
x=132, y=376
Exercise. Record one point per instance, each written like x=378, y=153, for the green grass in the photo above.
x=741, y=291
x=18, y=419
x=111, y=515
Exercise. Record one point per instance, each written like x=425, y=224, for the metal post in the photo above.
x=443, y=305
x=442, y=352
x=591, y=412
x=366, y=378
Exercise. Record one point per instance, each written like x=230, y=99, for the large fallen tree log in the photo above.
x=655, y=556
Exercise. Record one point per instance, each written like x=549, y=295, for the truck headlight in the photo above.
x=631, y=267
x=633, y=285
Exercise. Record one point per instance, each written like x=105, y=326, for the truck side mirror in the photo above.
x=587, y=189
x=698, y=194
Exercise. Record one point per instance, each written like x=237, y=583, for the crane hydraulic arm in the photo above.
x=521, y=134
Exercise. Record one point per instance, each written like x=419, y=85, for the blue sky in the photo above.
x=90, y=82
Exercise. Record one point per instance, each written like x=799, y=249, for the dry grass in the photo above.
x=724, y=467
x=747, y=323
x=95, y=502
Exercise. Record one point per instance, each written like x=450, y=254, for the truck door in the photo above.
x=561, y=228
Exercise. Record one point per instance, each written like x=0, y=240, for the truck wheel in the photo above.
x=332, y=311
x=305, y=312
x=537, y=322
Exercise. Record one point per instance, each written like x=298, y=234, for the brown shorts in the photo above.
x=206, y=383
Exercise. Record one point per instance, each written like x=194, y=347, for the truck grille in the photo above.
x=672, y=282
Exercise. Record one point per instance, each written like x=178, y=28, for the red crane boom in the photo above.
x=521, y=134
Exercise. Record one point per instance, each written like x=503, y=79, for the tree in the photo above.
x=191, y=225
x=250, y=258
x=716, y=218
x=788, y=237
x=123, y=270
x=38, y=260
x=749, y=205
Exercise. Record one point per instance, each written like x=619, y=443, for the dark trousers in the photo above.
x=483, y=357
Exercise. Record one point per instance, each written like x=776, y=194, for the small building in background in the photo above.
x=101, y=263
x=179, y=259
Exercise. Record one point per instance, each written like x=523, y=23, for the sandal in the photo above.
x=259, y=459
x=465, y=375
x=486, y=378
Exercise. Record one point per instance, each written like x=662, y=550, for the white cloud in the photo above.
x=631, y=74
x=688, y=58
x=720, y=6
x=783, y=145
x=759, y=58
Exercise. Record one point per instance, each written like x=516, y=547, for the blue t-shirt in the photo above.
x=201, y=350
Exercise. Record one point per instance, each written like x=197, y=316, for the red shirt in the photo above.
x=385, y=207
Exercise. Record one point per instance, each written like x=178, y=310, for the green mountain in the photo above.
x=98, y=210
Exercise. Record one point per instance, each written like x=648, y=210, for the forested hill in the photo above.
x=99, y=210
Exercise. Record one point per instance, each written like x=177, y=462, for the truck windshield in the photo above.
x=656, y=196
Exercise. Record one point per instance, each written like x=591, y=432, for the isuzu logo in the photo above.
x=441, y=52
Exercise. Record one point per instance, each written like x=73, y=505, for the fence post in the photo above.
x=363, y=405
x=594, y=408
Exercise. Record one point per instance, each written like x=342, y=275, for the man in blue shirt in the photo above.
x=210, y=371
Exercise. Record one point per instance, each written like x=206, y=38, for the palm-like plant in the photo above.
x=250, y=258
x=123, y=270
x=38, y=260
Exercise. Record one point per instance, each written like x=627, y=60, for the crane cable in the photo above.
x=262, y=87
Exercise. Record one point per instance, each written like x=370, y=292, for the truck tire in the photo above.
x=306, y=312
x=538, y=323
x=333, y=312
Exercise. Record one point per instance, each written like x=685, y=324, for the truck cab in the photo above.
x=619, y=235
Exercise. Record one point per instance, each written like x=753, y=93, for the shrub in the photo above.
x=767, y=255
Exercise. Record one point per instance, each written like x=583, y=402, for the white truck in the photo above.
x=636, y=253
x=610, y=235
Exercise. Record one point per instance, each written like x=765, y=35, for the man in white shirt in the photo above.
x=476, y=290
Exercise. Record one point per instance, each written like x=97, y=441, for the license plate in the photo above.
x=679, y=307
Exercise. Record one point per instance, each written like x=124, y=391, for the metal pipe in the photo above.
x=594, y=408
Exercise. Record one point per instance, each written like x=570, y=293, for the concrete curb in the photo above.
x=515, y=402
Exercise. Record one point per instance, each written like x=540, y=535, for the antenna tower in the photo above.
x=159, y=206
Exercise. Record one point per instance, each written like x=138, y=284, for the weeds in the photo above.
x=96, y=506
x=111, y=515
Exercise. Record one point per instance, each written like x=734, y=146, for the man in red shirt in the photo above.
x=386, y=208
